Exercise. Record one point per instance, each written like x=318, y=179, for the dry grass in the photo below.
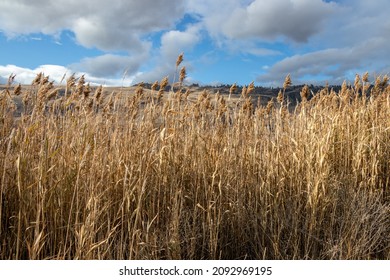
x=159, y=175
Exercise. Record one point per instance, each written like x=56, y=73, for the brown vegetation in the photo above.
x=162, y=175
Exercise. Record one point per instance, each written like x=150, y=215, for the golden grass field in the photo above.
x=153, y=174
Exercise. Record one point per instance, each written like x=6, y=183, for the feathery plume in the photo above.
x=11, y=79
x=287, y=82
x=365, y=77
x=250, y=88
x=357, y=83
x=232, y=89
x=280, y=97
x=37, y=79
x=183, y=74
x=155, y=85
x=98, y=92
x=179, y=59
x=18, y=89
x=305, y=93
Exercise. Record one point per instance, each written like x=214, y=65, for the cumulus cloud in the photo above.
x=110, y=65
x=173, y=43
x=107, y=25
x=334, y=64
x=27, y=75
x=25, y=17
x=56, y=73
x=266, y=20
x=355, y=40
x=294, y=19
x=312, y=37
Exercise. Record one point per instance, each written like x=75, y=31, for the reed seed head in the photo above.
x=155, y=85
x=37, y=79
x=183, y=74
x=98, y=92
x=164, y=82
x=251, y=88
x=280, y=97
x=179, y=59
x=287, y=82
x=244, y=92
x=270, y=106
x=357, y=83
x=71, y=81
x=45, y=80
x=52, y=94
x=305, y=93
x=87, y=90
x=18, y=89
x=140, y=89
x=365, y=77
x=233, y=88
x=11, y=79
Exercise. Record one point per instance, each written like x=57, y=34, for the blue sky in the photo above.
x=224, y=41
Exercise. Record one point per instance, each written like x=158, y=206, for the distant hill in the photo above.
x=292, y=93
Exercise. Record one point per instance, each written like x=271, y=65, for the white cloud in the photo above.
x=173, y=43
x=114, y=25
x=354, y=40
x=25, y=17
x=324, y=38
x=265, y=20
x=56, y=74
x=335, y=64
x=107, y=25
x=110, y=65
x=27, y=75
x=294, y=19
